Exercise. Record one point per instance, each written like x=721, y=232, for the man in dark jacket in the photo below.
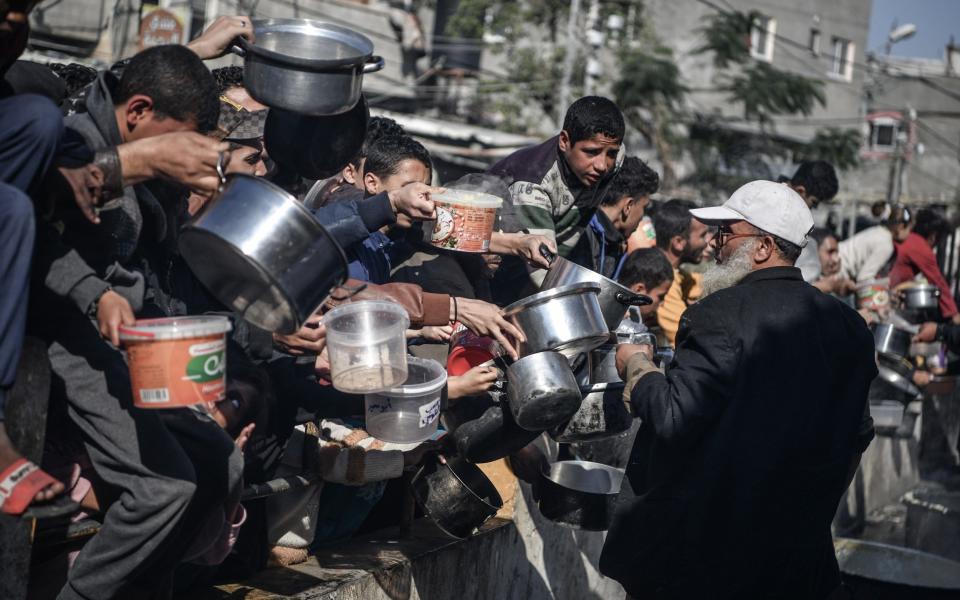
x=749, y=440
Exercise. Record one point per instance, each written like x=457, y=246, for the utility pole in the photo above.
x=569, y=56
x=901, y=140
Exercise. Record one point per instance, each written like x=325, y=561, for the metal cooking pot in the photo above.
x=566, y=319
x=603, y=364
x=263, y=254
x=316, y=147
x=602, y=415
x=484, y=431
x=309, y=67
x=890, y=340
x=457, y=496
x=877, y=571
x=920, y=297
x=897, y=373
x=614, y=298
x=542, y=391
x=580, y=494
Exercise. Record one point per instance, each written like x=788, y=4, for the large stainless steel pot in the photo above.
x=875, y=571
x=309, y=67
x=602, y=414
x=580, y=494
x=566, y=319
x=542, y=391
x=614, y=298
x=263, y=254
x=457, y=496
x=920, y=297
x=890, y=340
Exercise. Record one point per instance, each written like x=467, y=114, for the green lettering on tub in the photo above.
x=207, y=367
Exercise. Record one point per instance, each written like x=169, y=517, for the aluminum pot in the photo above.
x=580, y=494
x=898, y=374
x=919, y=297
x=309, y=67
x=875, y=571
x=542, y=391
x=614, y=298
x=890, y=340
x=602, y=415
x=263, y=254
x=603, y=364
x=457, y=496
x=566, y=319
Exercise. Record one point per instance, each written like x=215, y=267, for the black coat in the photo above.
x=745, y=446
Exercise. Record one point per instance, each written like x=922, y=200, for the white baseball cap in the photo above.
x=773, y=207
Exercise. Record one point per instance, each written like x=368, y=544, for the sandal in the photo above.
x=19, y=484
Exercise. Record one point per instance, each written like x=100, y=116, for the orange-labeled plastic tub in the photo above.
x=178, y=361
x=464, y=220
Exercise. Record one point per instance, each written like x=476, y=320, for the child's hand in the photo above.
x=433, y=333
x=472, y=383
x=244, y=436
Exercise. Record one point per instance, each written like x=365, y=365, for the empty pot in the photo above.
x=542, y=391
x=919, y=297
x=566, y=318
x=602, y=414
x=580, y=494
x=263, y=254
x=890, y=340
x=614, y=298
x=457, y=496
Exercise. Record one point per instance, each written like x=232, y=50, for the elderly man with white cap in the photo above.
x=749, y=439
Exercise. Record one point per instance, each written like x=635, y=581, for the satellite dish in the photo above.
x=902, y=32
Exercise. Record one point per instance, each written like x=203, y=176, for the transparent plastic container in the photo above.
x=410, y=412
x=367, y=346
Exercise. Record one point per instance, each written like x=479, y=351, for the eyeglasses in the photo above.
x=725, y=234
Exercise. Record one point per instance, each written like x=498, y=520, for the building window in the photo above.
x=842, y=67
x=814, y=44
x=762, y=34
x=883, y=135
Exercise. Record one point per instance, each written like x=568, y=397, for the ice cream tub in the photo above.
x=464, y=220
x=178, y=361
x=873, y=294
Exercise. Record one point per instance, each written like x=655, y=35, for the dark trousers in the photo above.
x=30, y=131
x=172, y=468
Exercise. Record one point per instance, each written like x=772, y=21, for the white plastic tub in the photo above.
x=410, y=412
x=367, y=346
x=464, y=220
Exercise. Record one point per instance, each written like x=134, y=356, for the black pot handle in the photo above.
x=373, y=64
x=547, y=254
x=632, y=299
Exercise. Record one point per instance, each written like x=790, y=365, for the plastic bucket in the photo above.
x=410, y=412
x=367, y=346
x=464, y=220
x=179, y=361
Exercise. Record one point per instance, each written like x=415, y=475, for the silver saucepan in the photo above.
x=566, y=319
x=890, y=340
x=919, y=297
x=542, y=391
x=580, y=494
x=614, y=298
x=309, y=67
x=602, y=415
x=263, y=254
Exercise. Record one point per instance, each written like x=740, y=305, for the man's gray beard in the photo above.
x=731, y=271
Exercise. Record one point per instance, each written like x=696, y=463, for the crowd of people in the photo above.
x=98, y=172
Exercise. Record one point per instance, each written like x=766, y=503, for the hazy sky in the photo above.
x=936, y=20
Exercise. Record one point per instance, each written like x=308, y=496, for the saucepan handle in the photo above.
x=631, y=299
x=547, y=254
x=373, y=64
x=222, y=170
x=237, y=47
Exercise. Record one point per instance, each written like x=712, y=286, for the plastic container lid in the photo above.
x=476, y=199
x=174, y=328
